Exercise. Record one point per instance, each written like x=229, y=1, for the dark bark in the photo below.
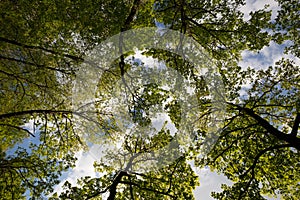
x=31, y=112
x=296, y=125
x=40, y=48
x=289, y=138
x=131, y=15
x=113, y=187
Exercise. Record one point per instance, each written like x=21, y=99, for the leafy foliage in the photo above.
x=259, y=134
x=42, y=46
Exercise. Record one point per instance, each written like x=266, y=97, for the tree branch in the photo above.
x=30, y=112
x=148, y=189
x=113, y=186
x=36, y=65
x=41, y=111
x=296, y=125
x=19, y=128
x=294, y=141
x=256, y=159
x=252, y=167
x=131, y=15
x=40, y=48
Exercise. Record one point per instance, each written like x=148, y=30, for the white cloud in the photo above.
x=266, y=57
x=147, y=60
x=254, y=5
x=84, y=167
x=209, y=182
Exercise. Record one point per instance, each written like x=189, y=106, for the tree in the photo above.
x=259, y=146
x=39, y=53
x=260, y=133
x=42, y=48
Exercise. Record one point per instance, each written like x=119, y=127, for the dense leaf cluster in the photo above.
x=43, y=45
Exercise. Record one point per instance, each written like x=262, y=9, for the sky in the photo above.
x=209, y=181
x=254, y=5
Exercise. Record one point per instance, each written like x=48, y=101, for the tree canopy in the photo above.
x=151, y=119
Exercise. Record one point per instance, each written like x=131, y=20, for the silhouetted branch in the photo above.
x=294, y=141
x=296, y=125
x=40, y=48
